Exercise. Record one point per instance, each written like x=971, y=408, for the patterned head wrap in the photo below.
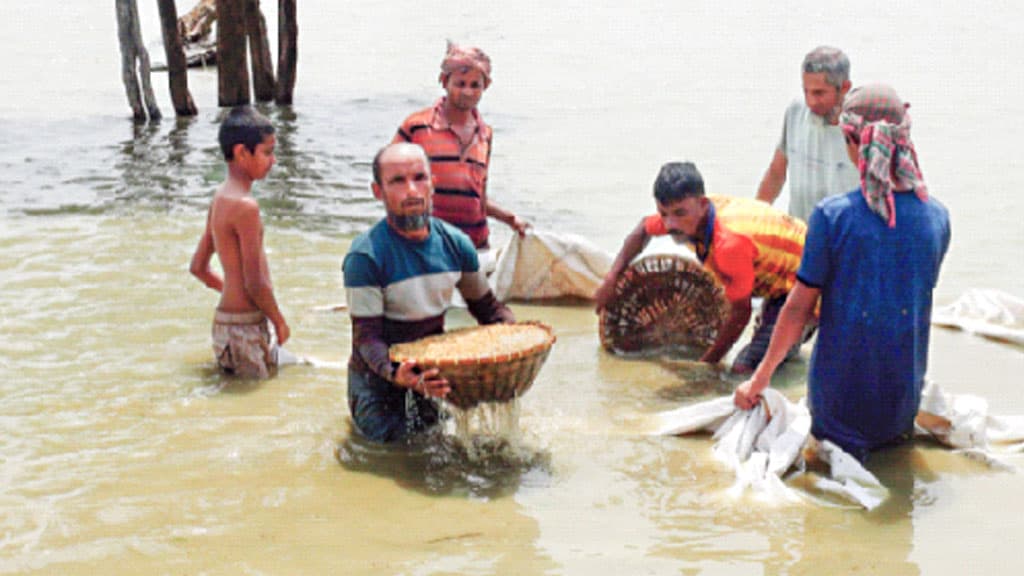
x=876, y=120
x=458, y=58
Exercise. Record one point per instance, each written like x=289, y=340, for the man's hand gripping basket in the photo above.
x=493, y=363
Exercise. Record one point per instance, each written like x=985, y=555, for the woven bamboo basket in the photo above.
x=663, y=302
x=493, y=363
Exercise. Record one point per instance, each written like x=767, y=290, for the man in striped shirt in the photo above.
x=399, y=279
x=458, y=144
x=751, y=248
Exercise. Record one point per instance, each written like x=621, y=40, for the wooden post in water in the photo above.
x=177, y=72
x=129, y=35
x=259, y=51
x=232, y=65
x=287, y=50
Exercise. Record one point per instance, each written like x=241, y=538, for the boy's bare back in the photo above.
x=234, y=232
x=237, y=233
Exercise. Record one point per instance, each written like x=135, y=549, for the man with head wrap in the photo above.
x=458, y=143
x=872, y=257
x=811, y=150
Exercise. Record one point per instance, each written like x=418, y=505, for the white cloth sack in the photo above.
x=544, y=265
x=963, y=422
x=986, y=312
x=761, y=445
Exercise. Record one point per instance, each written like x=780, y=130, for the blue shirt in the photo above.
x=876, y=282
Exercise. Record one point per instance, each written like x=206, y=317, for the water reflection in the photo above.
x=97, y=166
x=439, y=464
x=889, y=528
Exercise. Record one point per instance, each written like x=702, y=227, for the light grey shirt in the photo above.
x=816, y=160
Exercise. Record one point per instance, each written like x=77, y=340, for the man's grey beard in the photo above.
x=411, y=222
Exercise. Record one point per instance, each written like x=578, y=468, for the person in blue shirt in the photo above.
x=872, y=259
x=399, y=279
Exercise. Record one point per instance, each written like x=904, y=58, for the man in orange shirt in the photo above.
x=753, y=250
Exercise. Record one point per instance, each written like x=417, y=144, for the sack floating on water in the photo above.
x=493, y=363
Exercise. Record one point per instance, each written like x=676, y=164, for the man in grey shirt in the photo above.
x=812, y=151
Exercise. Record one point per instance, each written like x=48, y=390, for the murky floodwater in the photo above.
x=122, y=451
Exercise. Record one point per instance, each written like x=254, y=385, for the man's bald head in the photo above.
x=394, y=152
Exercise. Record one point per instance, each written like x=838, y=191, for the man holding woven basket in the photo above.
x=399, y=279
x=748, y=246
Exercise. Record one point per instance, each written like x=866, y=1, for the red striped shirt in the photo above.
x=459, y=171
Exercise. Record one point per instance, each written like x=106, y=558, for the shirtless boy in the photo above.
x=242, y=342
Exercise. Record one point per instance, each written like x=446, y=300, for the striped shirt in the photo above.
x=754, y=250
x=459, y=171
x=398, y=289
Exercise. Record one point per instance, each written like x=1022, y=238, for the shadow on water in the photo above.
x=695, y=380
x=439, y=464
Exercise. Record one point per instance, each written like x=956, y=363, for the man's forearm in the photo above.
x=489, y=310
x=631, y=247
x=368, y=338
x=774, y=177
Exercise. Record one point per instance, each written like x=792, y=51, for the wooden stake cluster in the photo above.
x=242, y=20
x=241, y=24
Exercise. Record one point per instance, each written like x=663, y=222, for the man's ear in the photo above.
x=378, y=192
x=845, y=87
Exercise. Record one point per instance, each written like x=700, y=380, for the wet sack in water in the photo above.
x=763, y=444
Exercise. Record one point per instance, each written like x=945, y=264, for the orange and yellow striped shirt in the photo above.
x=754, y=249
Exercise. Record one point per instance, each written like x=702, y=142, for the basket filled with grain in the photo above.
x=493, y=363
x=663, y=302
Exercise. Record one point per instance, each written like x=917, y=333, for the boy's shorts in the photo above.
x=242, y=344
